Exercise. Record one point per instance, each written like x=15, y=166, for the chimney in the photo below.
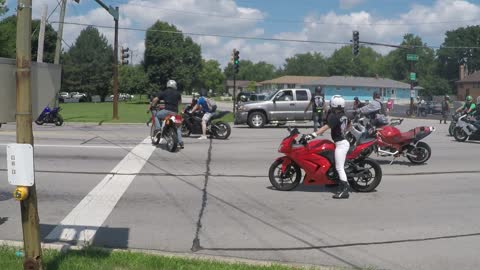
x=461, y=72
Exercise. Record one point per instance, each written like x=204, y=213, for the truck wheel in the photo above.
x=256, y=120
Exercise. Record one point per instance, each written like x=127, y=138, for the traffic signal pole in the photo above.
x=411, y=85
x=234, y=91
x=28, y=206
x=115, y=69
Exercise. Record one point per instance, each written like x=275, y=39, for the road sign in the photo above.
x=20, y=164
x=413, y=76
x=412, y=93
x=412, y=57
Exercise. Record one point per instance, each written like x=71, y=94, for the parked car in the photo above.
x=64, y=94
x=434, y=107
x=282, y=106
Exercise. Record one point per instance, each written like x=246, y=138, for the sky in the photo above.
x=385, y=21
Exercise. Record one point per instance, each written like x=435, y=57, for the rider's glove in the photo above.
x=310, y=136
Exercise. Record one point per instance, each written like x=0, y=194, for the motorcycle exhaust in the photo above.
x=387, y=152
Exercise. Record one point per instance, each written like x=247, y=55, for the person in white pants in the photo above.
x=339, y=123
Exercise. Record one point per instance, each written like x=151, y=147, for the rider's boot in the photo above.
x=342, y=192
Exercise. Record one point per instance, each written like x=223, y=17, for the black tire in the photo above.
x=59, y=121
x=185, y=130
x=39, y=122
x=155, y=139
x=172, y=139
x=293, y=173
x=221, y=130
x=257, y=120
x=370, y=179
x=451, y=127
x=422, y=153
x=459, y=134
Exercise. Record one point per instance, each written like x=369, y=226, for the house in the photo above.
x=468, y=85
x=239, y=85
x=363, y=88
x=288, y=82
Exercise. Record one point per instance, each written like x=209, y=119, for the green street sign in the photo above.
x=413, y=76
x=412, y=57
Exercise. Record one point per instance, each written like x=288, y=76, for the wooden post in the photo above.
x=28, y=207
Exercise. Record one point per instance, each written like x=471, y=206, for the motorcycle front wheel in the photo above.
x=221, y=130
x=420, y=153
x=451, y=127
x=459, y=134
x=58, y=121
x=39, y=122
x=366, y=179
x=284, y=181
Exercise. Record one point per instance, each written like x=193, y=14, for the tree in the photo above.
x=249, y=71
x=88, y=64
x=170, y=56
x=307, y=64
x=132, y=80
x=3, y=7
x=211, y=76
x=342, y=62
x=8, y=28
x=449, y=59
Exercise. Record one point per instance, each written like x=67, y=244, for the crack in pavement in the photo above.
x=196, y=246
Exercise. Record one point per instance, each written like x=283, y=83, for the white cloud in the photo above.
x=347, y=4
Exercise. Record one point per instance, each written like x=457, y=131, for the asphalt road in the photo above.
x=215, y=197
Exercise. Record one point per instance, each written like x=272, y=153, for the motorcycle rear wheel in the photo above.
x=422, y=153
x=370, y=179
x=172, y=139
x=39, y=122
x=459, y=134
x=221, y=130
x=293, y=175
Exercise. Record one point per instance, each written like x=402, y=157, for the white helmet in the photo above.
x=337, y=101
x=172, y=84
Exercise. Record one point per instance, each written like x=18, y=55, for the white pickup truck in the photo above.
x=282, y=106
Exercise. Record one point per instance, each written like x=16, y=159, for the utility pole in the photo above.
x=41, y=35
x=58, y=47
x=28, y=206
x=412, y=57
x=115, y=69
x=234, y=92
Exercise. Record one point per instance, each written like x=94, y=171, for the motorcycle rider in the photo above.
x=203, y=105
x=318, y=104
x=469, y=107
x=339, y=123
x=172, y=98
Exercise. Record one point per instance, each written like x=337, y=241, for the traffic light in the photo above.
x=356, y=43
x=125, y=55
x=236, y=60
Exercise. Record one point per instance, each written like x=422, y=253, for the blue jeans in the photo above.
x=159, y=116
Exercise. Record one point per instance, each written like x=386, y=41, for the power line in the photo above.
x=272, y=39
x=206, y=14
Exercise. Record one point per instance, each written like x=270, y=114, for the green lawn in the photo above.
x=128, y=112
x=101, y=259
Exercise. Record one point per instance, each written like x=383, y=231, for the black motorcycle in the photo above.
x=192, y=124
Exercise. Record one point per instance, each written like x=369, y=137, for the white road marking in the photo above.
x=79, y=146
x=83, y=221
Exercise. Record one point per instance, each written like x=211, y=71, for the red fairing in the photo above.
x=178, y=118
x=358, y=150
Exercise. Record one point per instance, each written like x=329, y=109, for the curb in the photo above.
x=225, y=259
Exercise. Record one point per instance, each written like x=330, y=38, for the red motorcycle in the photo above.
x=392, y=142
x=168, y=131
x=316, y=158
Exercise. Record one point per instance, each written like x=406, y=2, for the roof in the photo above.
x=240, y=83
x=361, y=81
x=293, y=80
x=474, y=77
